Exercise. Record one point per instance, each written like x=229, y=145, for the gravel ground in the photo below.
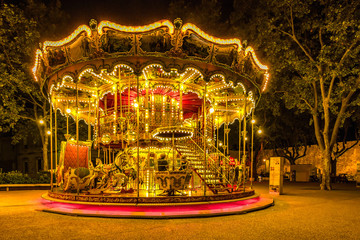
x=303, y=212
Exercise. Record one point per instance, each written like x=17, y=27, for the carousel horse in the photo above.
x=78, y=178
x=121, y=171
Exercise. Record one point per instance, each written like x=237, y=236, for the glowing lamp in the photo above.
x=41, y=121
x=259, y=131
x=253, y=121
x=68, y=110
x=48, y=132
x=212, y=110
x=136, y=105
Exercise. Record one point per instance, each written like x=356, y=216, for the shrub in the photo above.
x=16, y=177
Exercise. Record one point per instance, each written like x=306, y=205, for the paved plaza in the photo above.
x=303, y=212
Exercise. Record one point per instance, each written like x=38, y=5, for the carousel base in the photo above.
x=153, y=207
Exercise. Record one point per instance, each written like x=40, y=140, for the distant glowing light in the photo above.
x=41, y=121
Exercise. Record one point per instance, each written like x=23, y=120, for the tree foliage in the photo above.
x=314, y=46
x=23, y=103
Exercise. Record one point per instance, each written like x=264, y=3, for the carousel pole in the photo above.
x=239, y=136
x=51, y=147
x=89, y=128
x=77, y=131
x=180, y=102
x=244, y=146
x=128, y=110
x=97, y=122
x=173, y=146
x=138, y=134
x=67, y=121
x=252, y=149
x=116, y=111
x=121, y=126
x=227, y=127
x=204, y=133
x=55, y=137
x=120, y=103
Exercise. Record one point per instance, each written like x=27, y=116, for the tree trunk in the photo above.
x=45, y=152
x=333, y=167
x=326, y=171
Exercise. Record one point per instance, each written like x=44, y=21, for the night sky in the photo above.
x=124, y=12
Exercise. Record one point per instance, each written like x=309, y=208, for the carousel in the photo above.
x=153, y=98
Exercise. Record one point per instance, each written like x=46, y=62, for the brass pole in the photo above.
x=239, y=136
x=244, y=145
x=138, y=133
x=204, y=133
x=116, y=111
x=55, y=137
x=252, y=149
x=227, y=126
x=67, y=120
x=89, y=129
x=77, y=130
x=173, y=145
x=97, y=122
x=51, y=147
x=89, y=126
x=128, y=118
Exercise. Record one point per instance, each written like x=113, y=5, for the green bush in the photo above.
x=16, y=177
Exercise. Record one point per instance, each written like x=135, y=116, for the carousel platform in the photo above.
x=115, y=206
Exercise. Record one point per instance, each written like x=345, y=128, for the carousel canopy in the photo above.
x=101, y=62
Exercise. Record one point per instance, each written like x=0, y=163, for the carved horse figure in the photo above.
x=78, y=178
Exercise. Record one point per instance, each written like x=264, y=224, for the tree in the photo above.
x=24, y=108
x=314, y=46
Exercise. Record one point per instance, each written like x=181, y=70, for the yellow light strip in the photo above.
x=37, y=61
x=235, y=41
x=138, y=29
x=267, y=77
x=189, y=26
x=256, y=60
x=67, y=39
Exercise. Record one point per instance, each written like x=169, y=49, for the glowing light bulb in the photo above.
x=136, y=105
x=41, y=121
x=253, y=121
x=259, y=131
x=48, y=132
x=68, y=110
x=212, y=110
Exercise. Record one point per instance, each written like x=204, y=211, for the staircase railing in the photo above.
x=216, y=170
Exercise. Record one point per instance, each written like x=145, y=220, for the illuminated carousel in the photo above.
x=154, y=98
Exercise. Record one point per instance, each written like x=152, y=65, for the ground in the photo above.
x=303, y=212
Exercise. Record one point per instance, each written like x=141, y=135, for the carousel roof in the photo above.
x=101, y=59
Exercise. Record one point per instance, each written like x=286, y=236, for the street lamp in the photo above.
x=41, y=121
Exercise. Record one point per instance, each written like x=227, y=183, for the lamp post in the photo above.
x=252, y=151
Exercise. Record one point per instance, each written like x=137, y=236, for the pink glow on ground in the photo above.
x=150, y=211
